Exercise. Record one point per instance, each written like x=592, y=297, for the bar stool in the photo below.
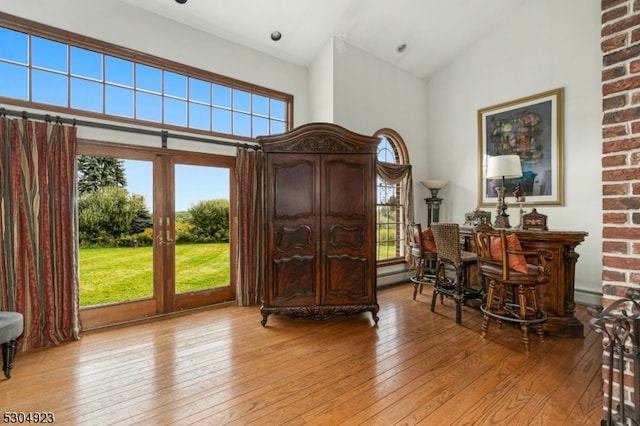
x=511, y=294
x=423, y=251
x=450, y=280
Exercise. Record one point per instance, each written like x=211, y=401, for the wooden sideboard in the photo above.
x=557, y=297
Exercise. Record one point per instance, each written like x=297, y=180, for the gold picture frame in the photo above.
x=531, y=127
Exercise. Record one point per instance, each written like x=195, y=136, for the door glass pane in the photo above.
x=202, y=228
x=115, y=230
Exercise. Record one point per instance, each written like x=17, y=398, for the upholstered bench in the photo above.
x=11, y=326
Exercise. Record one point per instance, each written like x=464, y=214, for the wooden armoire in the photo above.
x=320, y=225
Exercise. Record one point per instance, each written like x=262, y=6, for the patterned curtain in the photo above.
x=250, y=247
x=38, y=222
x=400, y=173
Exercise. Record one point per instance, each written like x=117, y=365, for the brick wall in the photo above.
x=620, y=160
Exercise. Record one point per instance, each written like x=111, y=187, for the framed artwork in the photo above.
x=531, y=128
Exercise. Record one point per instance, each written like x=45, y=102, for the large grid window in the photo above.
x=41, y=70
x=390, y=212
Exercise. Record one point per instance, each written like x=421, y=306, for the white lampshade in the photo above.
x=504, y=166
x=434, y=184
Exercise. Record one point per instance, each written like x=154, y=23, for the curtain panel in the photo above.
x=250, y=247
x=38, y=221
x=395, y=174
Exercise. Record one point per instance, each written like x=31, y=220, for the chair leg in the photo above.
x=439, y=278
x=536, y=312
x=8, y=352
x=459, y=296
x=522, y=301
x=487, y=307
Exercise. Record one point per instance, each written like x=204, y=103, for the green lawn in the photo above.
x=110, y=275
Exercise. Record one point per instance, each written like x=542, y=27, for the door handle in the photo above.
x=168, y=232
x=159, y=233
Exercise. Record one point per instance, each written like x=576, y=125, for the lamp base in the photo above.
x=502, y=222
x=502, y=218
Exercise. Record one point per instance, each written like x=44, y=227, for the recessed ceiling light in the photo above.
x=402, y=47
x=276, y=35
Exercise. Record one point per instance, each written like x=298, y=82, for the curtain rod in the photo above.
x=164, y=134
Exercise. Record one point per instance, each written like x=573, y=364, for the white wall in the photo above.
x=550, y=44
x=370, y=94
x=321, y=85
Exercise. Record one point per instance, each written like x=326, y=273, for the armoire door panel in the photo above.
x=294, y=188
x=346, y=187
x=298, y=238
x=295, y=278
x=352, y=237
x=346, y=276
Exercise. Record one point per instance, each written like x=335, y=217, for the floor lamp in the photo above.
x=433, y=203
x=503, y=167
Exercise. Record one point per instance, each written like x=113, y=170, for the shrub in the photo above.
x=211, y=220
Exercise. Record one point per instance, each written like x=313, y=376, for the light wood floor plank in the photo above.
x=220, y=366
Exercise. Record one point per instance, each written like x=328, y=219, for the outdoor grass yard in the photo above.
x=110, y=275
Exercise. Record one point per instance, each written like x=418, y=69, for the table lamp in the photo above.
x=433, y=203
x=503, y=167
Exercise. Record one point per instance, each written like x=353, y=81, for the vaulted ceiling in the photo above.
x=433, y=31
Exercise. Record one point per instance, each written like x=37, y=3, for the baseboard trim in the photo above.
x=581, y=297
x=587, y=298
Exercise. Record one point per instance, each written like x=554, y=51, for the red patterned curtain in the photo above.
x=38, y=221
x=250, y=247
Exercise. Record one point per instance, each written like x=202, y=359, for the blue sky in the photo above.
x=193, y=183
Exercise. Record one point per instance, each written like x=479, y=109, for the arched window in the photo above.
x=390, y=210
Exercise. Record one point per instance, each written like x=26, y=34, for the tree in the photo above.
x=100, y=172
x=105, y=215
x=211, y=219
x=142, y=218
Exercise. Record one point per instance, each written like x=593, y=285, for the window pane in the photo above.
x=386, y=152
x=48, y=54
x=18, y=76
x=207, y=187
x=199, y=117
x=277, y=127
x=241, y=124
x=175, y=85
x=148, y=78
x=221, y=96
x=260, y=127
x=221, y=120
x=119, y=101
x=175, y=112
x=200, y=91
x=241, y=100
x=85, y=63
x=14, y=46
x=103, y=251
x=260, y=105
x=148, y=107
x=277, y=109
x=86, y=95
x=49, y=88
x=118, y=71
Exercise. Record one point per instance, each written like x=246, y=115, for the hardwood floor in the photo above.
x=220, y=366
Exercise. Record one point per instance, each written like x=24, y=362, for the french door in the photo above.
x=180, y=255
